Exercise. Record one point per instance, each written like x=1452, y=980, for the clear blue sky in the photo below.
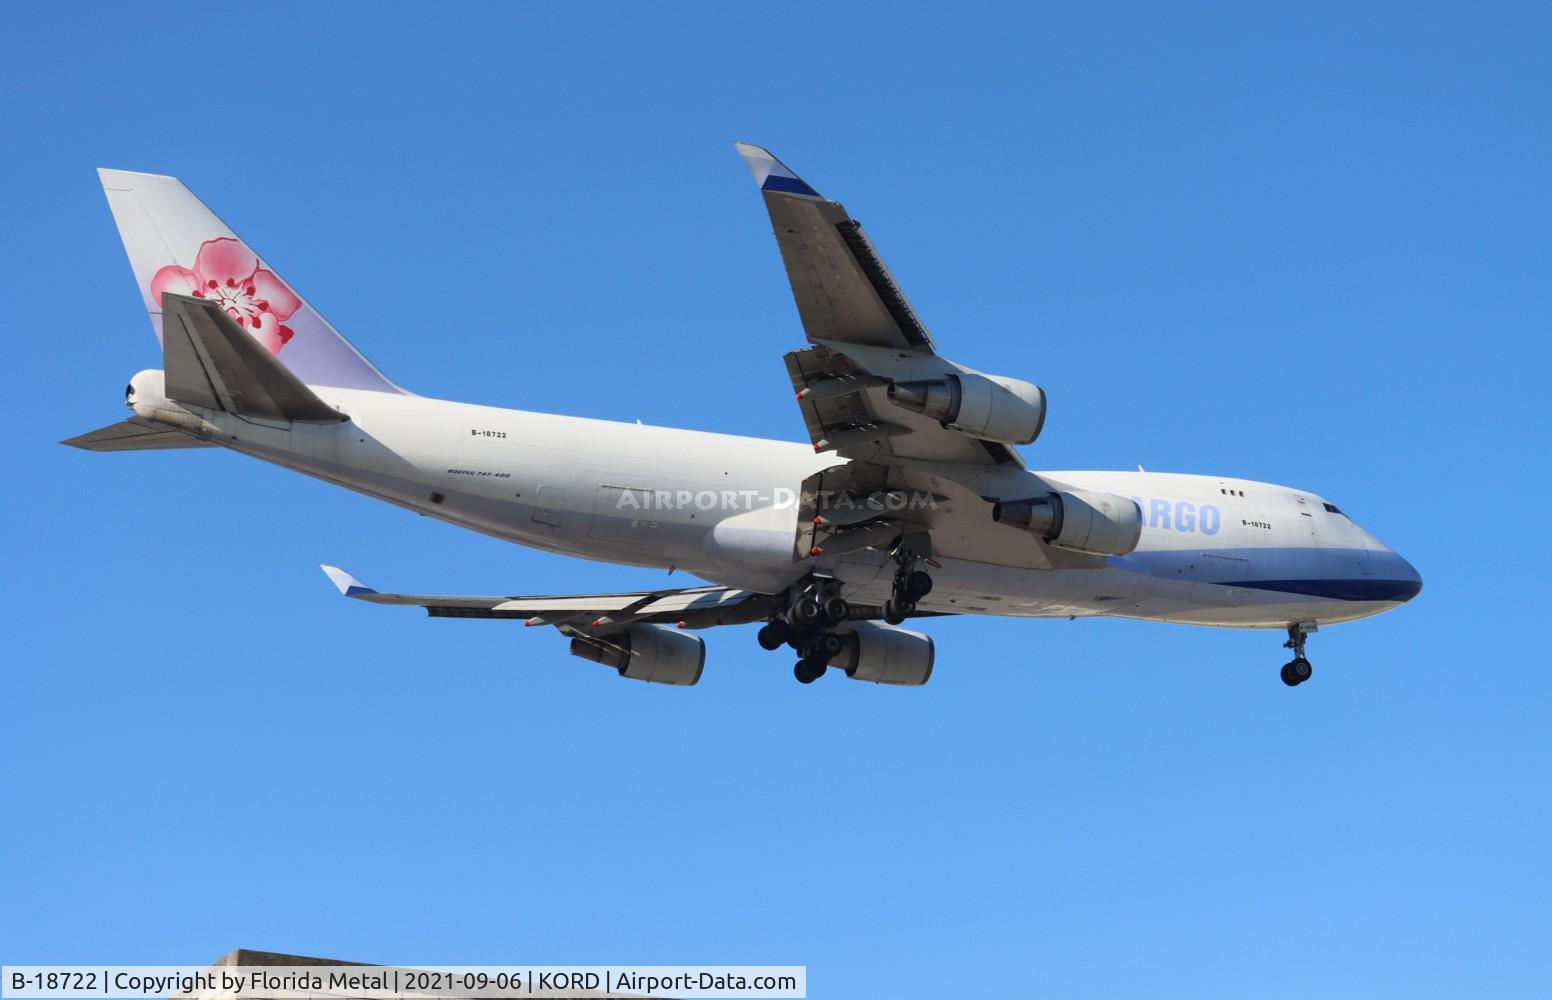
x=1306, y=246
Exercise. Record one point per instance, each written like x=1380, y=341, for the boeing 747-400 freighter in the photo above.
x=908, y=501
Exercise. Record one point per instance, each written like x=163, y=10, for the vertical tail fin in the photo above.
x=175, y=244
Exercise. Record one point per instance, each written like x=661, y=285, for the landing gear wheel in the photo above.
x=897, y=610
x=830, y=646
x=1297, y=670
x=806, y=611
x=918, y=585
x=773, y=635
x=809, y=669
x=836, y=610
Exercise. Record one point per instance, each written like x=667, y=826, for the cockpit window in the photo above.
x=1331, y=508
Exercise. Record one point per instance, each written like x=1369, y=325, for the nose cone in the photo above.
x=1399, y=577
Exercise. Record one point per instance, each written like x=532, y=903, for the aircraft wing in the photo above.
x=843, y=290
x=693, y=607
x=863, y=329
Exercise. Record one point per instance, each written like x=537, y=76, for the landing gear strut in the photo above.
x=1297, y=670
x=911, y=584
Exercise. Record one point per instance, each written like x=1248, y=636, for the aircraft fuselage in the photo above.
x=1214, y=551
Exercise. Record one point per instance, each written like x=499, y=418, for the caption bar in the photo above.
x=381, y=982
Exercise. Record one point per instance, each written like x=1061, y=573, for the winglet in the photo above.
x=770, y=173
x=344, y=582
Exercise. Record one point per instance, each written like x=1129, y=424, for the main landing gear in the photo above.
x=816, y=607
x=1297, y=670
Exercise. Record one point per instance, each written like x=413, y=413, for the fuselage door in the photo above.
x=549, y=502
x=1307, y=522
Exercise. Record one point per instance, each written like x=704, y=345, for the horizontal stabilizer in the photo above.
x=134, y=434
x=212, y=362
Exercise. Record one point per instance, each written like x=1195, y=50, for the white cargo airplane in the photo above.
x=908, y=502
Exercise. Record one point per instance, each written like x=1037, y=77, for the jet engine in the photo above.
x=1097, y=523
x=653, y=653
x=983, y=406
x=885, y=654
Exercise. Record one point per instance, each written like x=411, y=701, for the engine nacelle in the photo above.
x=885, y=654
x=1080, y=520
x=983, y=406
x=653, y=653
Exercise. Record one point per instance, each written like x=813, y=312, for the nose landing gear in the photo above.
x=1297, y=670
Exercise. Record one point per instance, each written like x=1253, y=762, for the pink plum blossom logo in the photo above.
x=228, y=273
